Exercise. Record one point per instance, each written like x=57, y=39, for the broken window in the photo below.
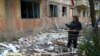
x=84, y=12
x=53, y=11
x=30, y=9
x=64, y=12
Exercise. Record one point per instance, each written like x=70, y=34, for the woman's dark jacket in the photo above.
x=74, y=26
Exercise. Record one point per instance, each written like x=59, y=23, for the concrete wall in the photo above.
x=2, y=19
x=2, y=16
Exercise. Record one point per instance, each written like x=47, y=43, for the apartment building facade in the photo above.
x=82, y=8
x=97, y=8
x=27, y=16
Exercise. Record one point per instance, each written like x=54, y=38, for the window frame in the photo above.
x=65, y=13
x=35, y=11
x=53, y=13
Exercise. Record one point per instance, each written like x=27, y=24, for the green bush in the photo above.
x=87, y=46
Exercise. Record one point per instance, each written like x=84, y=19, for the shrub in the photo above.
x=87, y=46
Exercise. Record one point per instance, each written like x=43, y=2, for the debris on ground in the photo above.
x=6, y=48
x=50, y=42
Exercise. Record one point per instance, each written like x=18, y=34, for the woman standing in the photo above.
x=74, y=29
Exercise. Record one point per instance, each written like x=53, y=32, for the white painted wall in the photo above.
x=67, y=2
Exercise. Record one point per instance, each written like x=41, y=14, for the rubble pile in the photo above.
x=44, y=42
x=6, y=48
x=50, y=42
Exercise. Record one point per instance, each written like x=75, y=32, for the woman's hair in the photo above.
x=76, y=18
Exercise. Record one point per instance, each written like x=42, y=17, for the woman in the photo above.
x=74, y=29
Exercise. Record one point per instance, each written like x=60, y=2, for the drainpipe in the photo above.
x=72, y=6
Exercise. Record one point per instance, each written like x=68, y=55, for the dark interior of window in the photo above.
x=53, y=11
x=63, y=11
x=30, y=9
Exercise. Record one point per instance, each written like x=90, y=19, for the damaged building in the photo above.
x=22, y=17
